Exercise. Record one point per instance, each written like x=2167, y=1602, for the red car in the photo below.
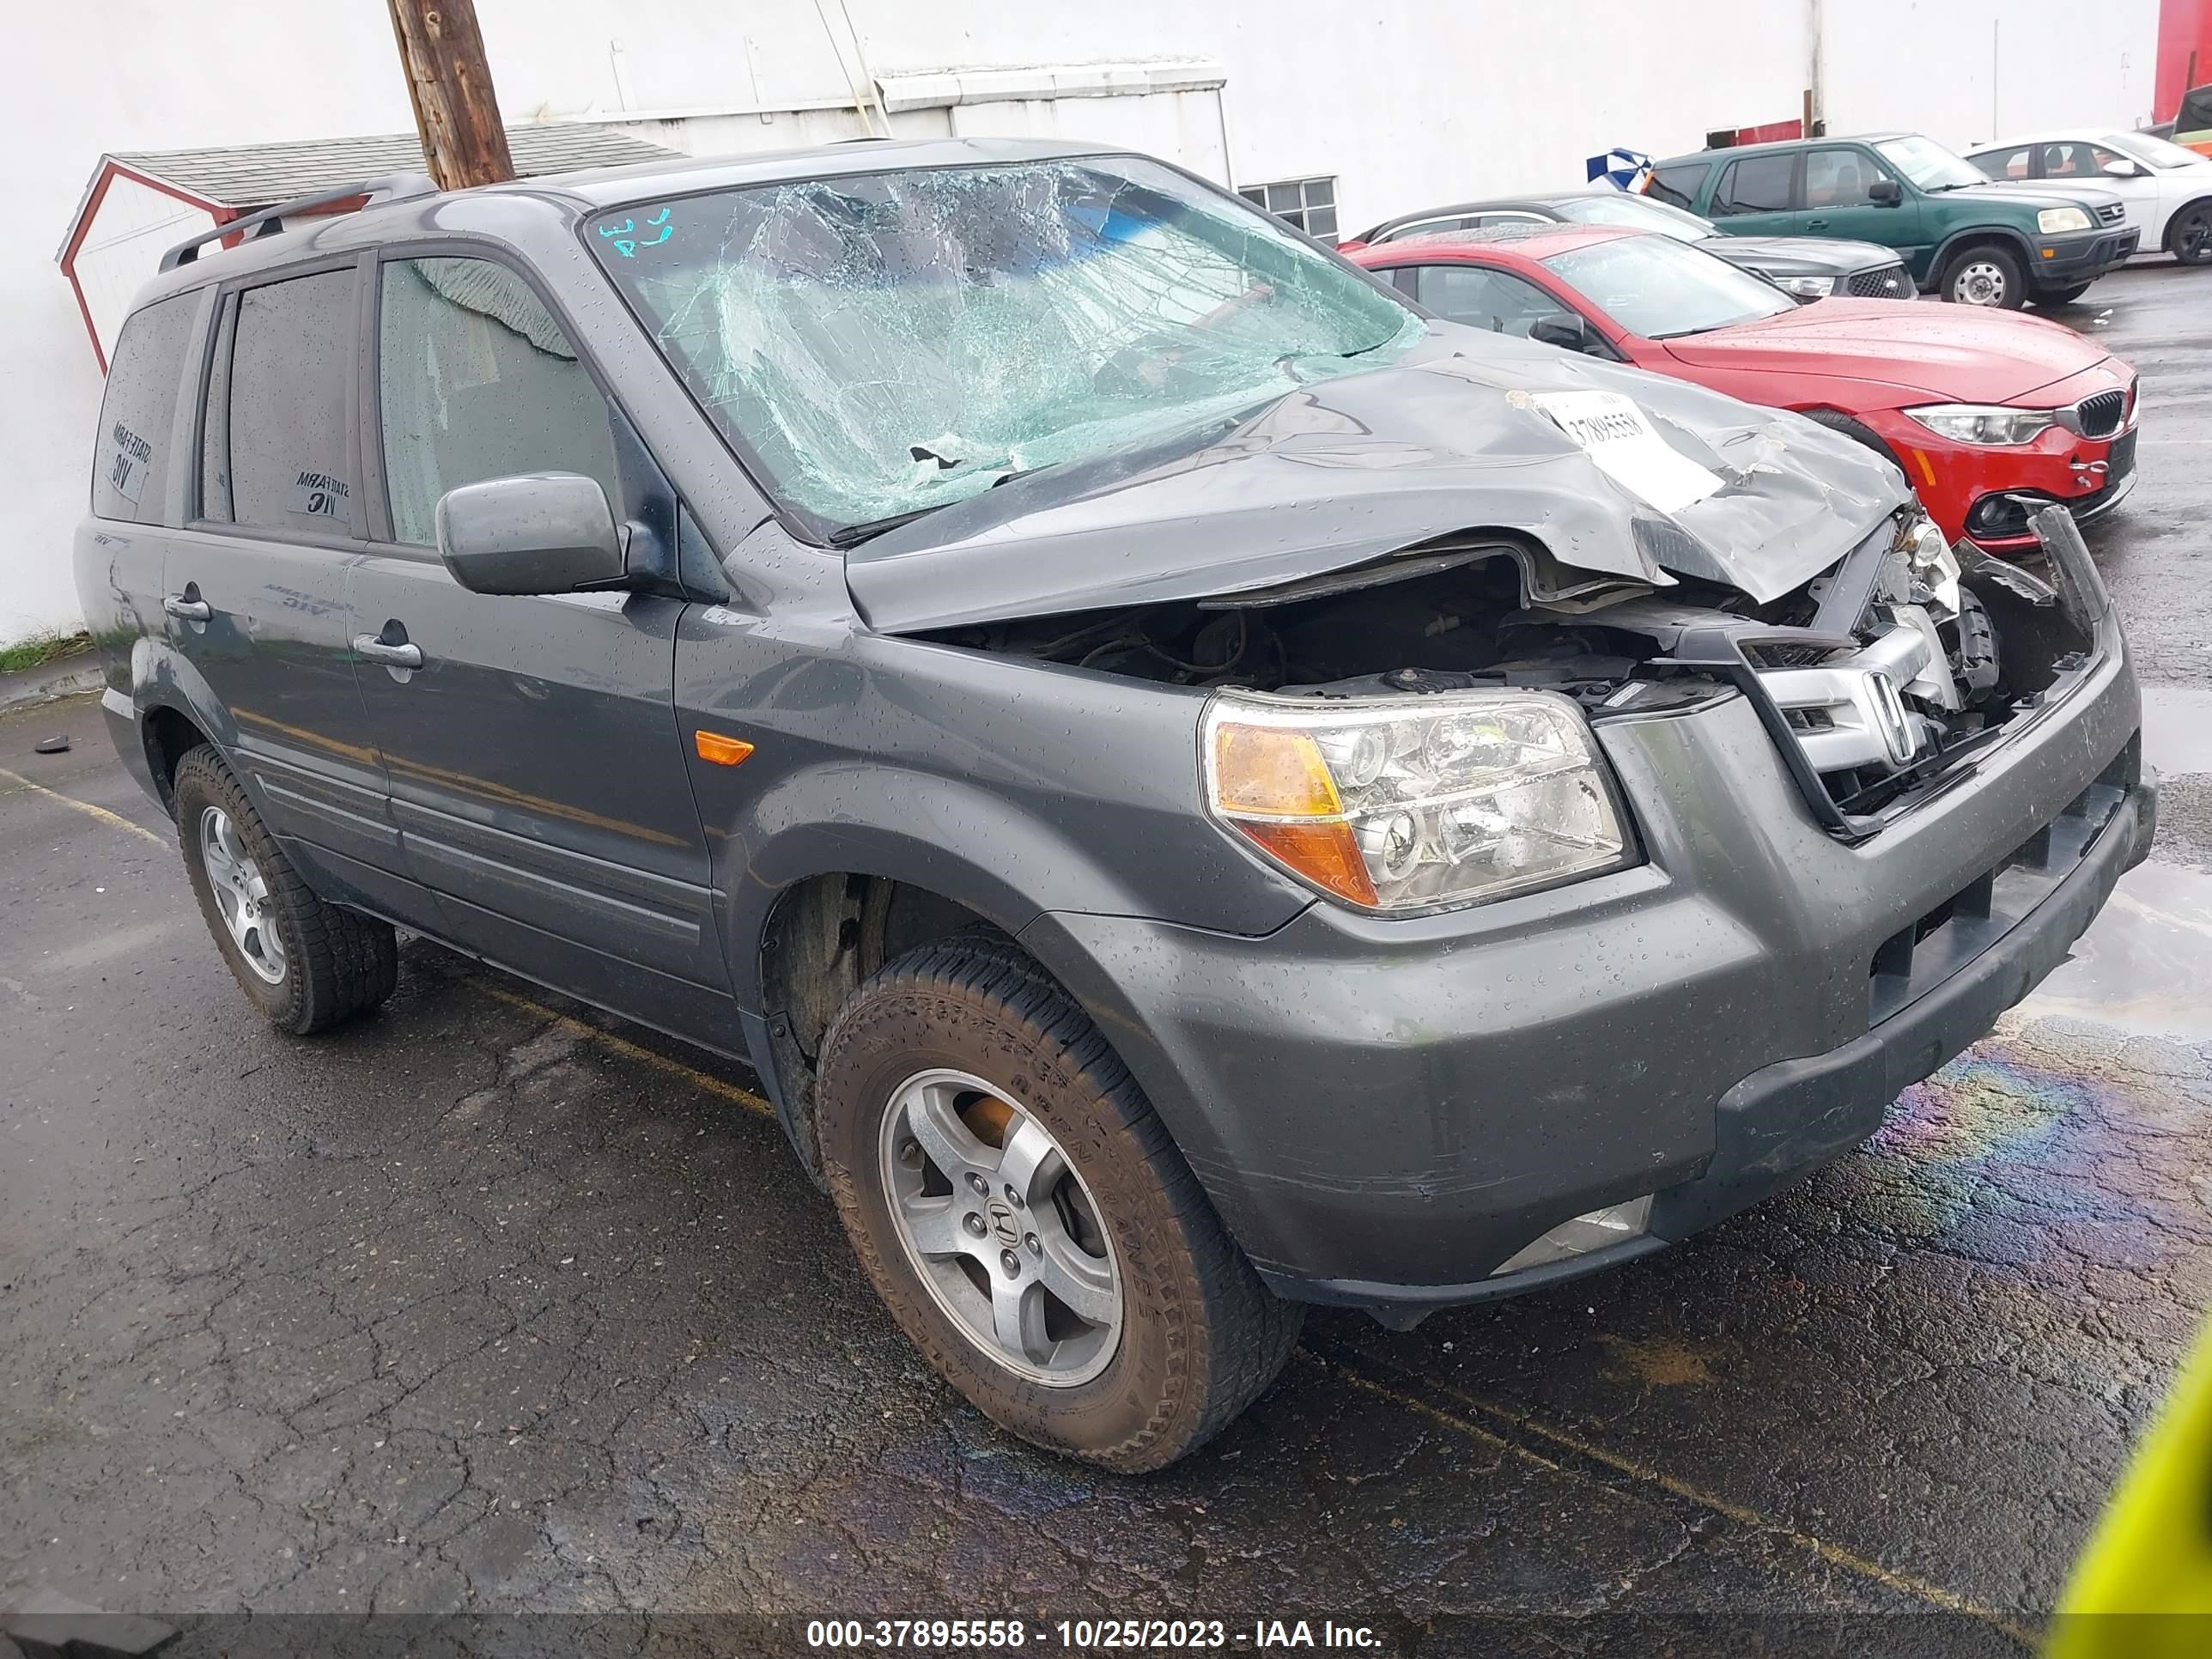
x=1992, y=415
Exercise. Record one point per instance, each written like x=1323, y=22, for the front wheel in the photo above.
x=1026, y=1218
x=306, y=964
x=1984, y=277
x=2189, y=237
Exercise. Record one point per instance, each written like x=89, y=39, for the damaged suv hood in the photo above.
x=1448, y=441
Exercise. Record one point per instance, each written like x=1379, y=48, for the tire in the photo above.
x=2061, y=296
x=2188, y=234
x=1175, y=1333
x=306, y=964
x=1986, y=270
x=1837, y=420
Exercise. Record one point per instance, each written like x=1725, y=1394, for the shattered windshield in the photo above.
x=887, y=344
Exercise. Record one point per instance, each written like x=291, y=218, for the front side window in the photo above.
x=1662, y=289
x=476, y=380
x=279, y=431
x=2070, y=160
x=1482, y=298
x=1840, y=179
x=1927, y=164
x=130, y=463
x=884, y=343
x=1757, y=184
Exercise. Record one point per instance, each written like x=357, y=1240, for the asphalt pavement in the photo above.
x=491, y=1305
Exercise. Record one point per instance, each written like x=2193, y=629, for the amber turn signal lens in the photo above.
x=1326, y=854
x=1266, y=771
x=721, y=751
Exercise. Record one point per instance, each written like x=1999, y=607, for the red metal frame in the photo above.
x=110, y=171
x=2185, y=31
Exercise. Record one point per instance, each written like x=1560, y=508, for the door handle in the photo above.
x=1816, y=224
x=369, y=648
x=187, y=609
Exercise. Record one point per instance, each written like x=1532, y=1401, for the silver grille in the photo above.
x=2112, y=212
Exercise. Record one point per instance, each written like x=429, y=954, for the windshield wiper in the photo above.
x=851, y=535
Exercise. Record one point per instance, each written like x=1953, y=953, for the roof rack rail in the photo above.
x=270, y=221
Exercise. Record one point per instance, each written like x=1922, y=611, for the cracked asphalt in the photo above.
x=493, y=1305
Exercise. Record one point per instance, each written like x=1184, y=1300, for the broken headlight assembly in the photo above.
x=1406, y=804
x=1984, y=423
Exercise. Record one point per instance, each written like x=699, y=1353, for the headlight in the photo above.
x=1806, y=288
x=1983, y=423
x=2052, y=221
x=1412, y=802
x=1933, y=564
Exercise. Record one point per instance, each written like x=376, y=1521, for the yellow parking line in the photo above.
x=1904, y=1582
x=114, y=820
x=629, y=1050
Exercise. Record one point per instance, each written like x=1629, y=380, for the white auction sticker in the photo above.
x=1613, y=432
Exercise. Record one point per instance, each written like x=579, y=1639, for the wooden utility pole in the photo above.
x=456, y=111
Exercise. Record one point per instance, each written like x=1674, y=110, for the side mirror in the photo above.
x=1564, y=330
x=537, y=532
x=2123, y=169
x=1885, y=193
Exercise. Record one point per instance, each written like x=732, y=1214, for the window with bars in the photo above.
x=1309, y=203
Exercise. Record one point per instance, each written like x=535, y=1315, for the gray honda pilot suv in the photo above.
x=1197, y=788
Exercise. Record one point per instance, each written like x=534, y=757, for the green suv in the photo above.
x=1961, y=236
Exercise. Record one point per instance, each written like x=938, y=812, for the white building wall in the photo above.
x=1406, y=102
x=1966, y=70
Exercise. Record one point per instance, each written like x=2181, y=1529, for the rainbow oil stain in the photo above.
x=2037, y=1140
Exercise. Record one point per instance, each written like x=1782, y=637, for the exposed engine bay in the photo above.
x=1876, y=678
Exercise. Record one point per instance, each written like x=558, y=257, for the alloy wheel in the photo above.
x=2192, y=237
x=1000, y=1228
x=1979, y=283
x=242, y=894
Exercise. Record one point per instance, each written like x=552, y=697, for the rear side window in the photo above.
x=130, y=466
x=1757, y=184
x=278, y=444
x=476, y=382
x=2003, y=164
x=1678, y=186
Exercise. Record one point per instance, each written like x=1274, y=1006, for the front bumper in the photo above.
x=1385, y=1111
x=1970, y=490
x=2063, y=261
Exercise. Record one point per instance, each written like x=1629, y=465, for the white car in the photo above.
x=2168, y=189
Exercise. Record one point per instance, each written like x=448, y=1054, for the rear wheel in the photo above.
x=1985, y=275
x=306, y=964
x=1026, y=1218
x=2188, y=234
